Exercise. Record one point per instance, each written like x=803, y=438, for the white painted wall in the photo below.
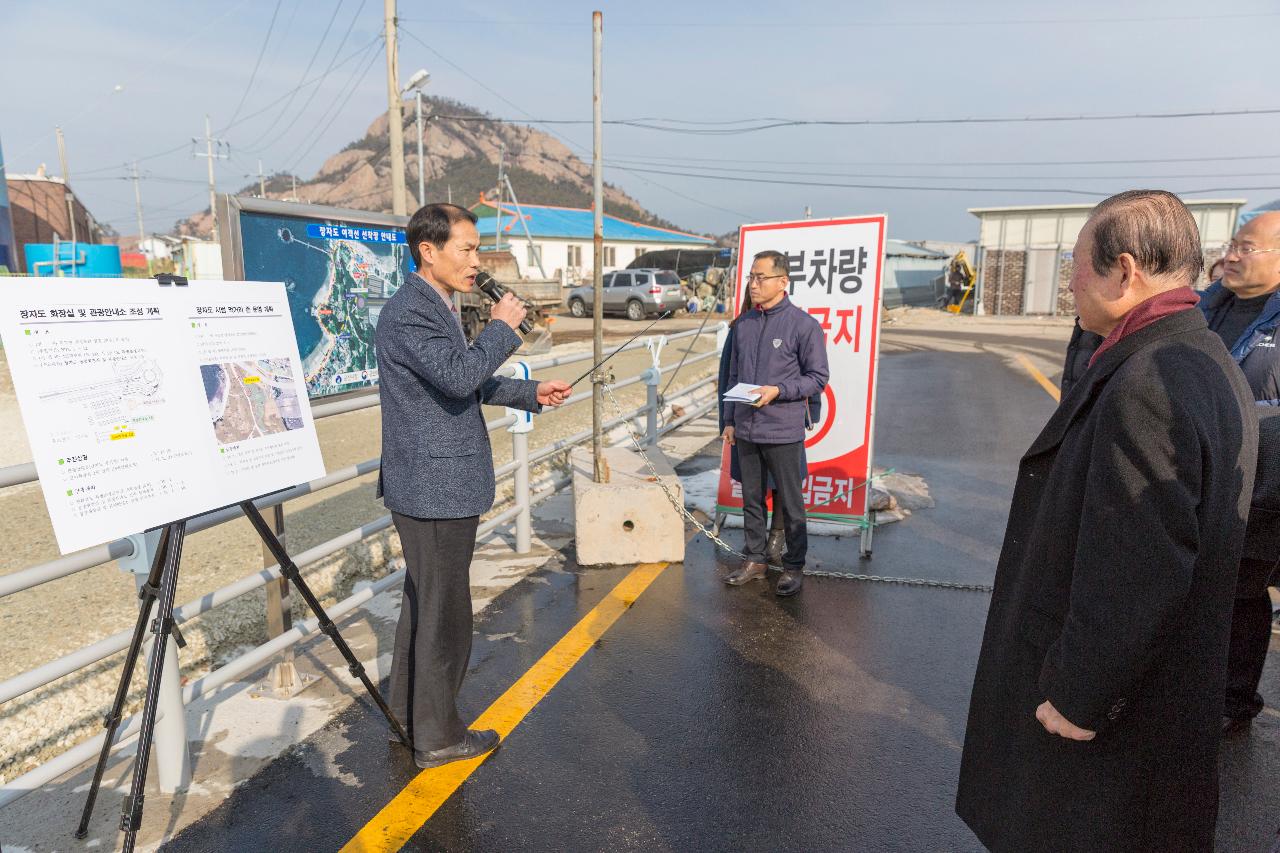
x=155, y=248
x=1051, y=227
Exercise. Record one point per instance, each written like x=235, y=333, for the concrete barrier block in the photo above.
x=628, y=519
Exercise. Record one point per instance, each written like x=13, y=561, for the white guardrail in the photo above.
x=523, y=501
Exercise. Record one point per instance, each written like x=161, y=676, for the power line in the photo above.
x=703, y=202
x=293, y=15
x=357, y=77
x=1041, y=190
x=640, y=158
x=183, y=147
x=754, y=125
x=709, y=171
x=829, y=25
x=971, y=177
x=178, y=206
x=311, y=62
x=1206, y=190
x=333, y=65
x=628, y=158
x=357, y=53
x=746, y=180
x=262, y=51
x=571, y=143
x=468, y=75
x=377, y=153
x=198, y=32
x=164, y=179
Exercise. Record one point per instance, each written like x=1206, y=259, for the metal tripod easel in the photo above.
x=161, y=586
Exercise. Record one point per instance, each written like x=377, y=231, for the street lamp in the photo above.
x=416, y=83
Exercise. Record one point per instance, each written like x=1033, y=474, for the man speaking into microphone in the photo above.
x=437, y=468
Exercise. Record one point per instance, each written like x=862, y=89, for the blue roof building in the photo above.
x=560, y=238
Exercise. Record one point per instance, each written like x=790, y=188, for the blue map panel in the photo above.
x=338, y=275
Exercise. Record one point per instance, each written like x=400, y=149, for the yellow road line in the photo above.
x=1049, y=387
x=392, y=827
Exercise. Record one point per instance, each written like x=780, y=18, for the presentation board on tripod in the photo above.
x=146, y=403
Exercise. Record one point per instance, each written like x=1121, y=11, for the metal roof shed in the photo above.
x=1024, y=252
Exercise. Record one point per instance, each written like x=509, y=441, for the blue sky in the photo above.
x=707, y=62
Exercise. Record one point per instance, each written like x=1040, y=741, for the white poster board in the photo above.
x=147, y=403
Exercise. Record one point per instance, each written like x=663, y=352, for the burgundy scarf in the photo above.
x=1145, y=313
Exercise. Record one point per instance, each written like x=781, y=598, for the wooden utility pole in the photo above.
x=137, y=200
x=215, y=149
x=70, y=199
x=597, y=298
x=395, y=127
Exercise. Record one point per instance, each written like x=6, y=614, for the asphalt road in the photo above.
x=710, y=718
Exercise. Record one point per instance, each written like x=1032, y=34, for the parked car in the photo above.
x=635, y=293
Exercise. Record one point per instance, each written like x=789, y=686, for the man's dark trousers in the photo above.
x=1250, y=639
x=433, y=636
x=786, y=463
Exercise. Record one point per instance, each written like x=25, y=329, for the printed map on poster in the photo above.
x=252, y=398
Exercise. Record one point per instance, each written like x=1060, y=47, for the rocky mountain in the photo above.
x=460, y=159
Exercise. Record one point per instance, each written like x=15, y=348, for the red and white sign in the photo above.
x=836, y=268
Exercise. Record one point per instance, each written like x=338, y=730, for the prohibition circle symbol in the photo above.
x=829, y=399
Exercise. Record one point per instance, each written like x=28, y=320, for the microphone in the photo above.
x=495, y=291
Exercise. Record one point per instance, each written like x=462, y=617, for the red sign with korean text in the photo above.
x=836, y=267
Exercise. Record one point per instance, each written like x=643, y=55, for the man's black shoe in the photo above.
x=473, y=744
x=776, y=545
x=1235, y=725
x=748, y=571
x=790, y=582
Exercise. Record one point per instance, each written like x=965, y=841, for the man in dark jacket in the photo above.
x=1263, y=534
x=1094, y=720
x=1080, y=350
x=779, y=349
x=1244, y=310
x=777, y=529
x=437, y=469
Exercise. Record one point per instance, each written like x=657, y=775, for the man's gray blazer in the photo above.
x=436, y=459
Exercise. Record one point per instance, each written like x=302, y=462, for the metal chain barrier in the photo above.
x=679, y=506
x=937, y=584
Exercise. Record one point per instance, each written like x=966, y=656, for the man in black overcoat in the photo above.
x=1095, y=715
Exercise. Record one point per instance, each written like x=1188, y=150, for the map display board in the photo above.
x=147, y=403
x=835, y=268
x=337, y=275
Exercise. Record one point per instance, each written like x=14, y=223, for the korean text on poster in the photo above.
x=145, y=404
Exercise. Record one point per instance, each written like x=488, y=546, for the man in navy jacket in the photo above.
x=780, y=350
x=1244, y=310
x=437, y=468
